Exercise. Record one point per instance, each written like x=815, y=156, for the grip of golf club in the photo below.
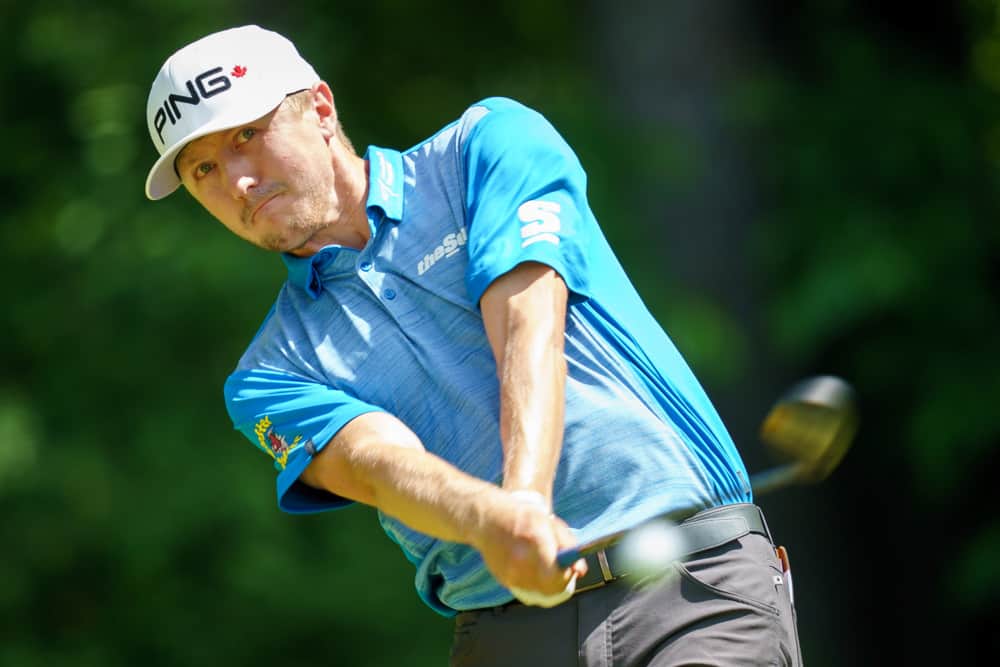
x=570, y=555
x=567, y=557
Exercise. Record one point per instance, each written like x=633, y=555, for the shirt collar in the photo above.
x=300, y=271
x=306, y=272
x=385, y=202
x=385, y=182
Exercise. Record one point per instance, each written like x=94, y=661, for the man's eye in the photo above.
x=204, y=168
x=245, y=134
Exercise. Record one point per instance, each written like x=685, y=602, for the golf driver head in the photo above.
x=812, y=425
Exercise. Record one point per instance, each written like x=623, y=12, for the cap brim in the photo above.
x=162, y=179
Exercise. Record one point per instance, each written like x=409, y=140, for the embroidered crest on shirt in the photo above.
x=273, y=442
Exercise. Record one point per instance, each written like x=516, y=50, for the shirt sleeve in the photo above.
x=525, y=199
x=291, y=419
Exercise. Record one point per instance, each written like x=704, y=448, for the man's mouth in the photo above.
x=260, y=205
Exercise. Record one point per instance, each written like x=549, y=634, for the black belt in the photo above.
x=702, y=531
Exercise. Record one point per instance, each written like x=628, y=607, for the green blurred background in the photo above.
x=795, y=188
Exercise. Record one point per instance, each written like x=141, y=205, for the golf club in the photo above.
x=810, y=427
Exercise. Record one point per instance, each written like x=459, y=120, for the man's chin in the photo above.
x=299, y=248
x=276, y=244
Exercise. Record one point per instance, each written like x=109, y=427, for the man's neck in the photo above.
x=351, y=229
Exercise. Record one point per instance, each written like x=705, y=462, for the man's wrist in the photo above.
x=482, y=524
x=532, y=497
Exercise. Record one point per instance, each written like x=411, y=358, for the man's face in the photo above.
x=270, y=181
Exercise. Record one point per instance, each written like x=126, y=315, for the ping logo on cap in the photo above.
x=259, y=66
x=207, y=84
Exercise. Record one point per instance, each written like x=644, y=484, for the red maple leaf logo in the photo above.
x=239, y=71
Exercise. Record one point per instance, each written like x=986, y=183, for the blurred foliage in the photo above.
x=140, y=529
x=876, y=138
x=885, y=204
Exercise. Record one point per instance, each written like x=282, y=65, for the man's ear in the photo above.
x=322, y=99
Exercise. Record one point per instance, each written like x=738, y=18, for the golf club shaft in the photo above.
x=761, y=483
x=775, y=478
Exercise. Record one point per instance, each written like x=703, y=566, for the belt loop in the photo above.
x=767, y=529
x=602, y=560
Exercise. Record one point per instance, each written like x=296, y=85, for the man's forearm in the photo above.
x=377, y=460
x=532, y=401
x=524, y=313
x=430, y=495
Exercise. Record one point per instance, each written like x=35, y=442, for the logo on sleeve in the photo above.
x=274, y=443
x=539, y=222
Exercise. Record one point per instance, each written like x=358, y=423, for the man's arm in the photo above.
x=524, y=312
x=378, y=460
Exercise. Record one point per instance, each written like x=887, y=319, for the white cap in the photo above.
x=216, y=83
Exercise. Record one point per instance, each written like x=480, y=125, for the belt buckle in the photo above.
x=607, y=576
x=602, y=560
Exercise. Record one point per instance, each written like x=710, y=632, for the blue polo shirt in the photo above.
x=396, y=327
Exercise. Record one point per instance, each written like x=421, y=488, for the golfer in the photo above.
x=457, y=345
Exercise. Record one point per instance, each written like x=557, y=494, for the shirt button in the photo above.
x=389, y=294
x=366, y=266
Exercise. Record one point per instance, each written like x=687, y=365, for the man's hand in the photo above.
x=519, y=543
x=376, y=459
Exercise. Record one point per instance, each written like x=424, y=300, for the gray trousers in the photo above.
x=724, y=606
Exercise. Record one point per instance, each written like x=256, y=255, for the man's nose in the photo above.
x=244, y=184
x=240, y=176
